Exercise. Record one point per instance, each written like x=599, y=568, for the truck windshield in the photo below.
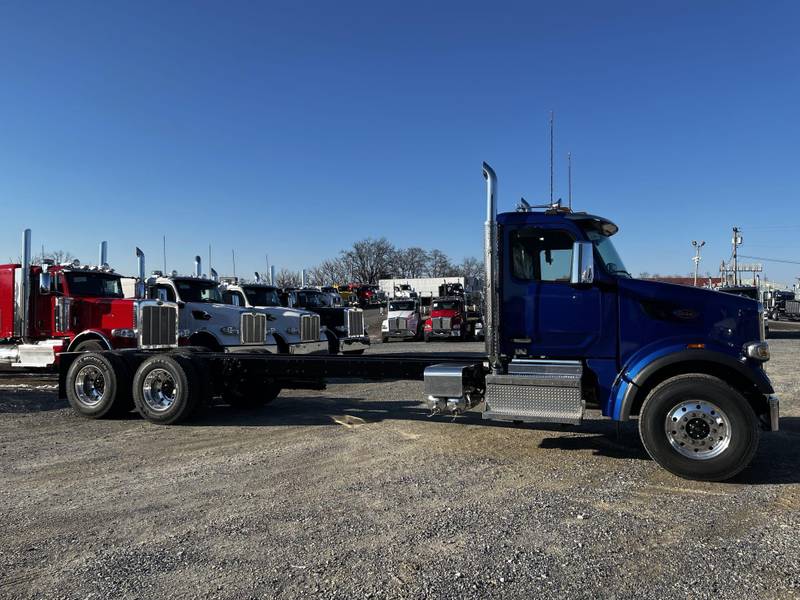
x=310, y=299
x=446, y=305
x=94, y=285
x=198, y=291
x=401, y=305
x=605, y=248
x=260, y=296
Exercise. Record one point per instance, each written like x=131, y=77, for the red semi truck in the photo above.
x=47, y=309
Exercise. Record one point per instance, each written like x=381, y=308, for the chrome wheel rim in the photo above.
x=698, y=429
x=159, y=390
x=90, y=386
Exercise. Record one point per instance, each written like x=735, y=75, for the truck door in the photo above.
x=543, y=314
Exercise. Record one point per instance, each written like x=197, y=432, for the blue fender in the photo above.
x=652, y=358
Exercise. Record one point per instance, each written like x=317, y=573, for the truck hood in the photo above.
x=221, y=314
x=445, y=313
x=102, y=313
x=653, y=313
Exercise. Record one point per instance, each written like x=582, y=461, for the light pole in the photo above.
x=697, y=245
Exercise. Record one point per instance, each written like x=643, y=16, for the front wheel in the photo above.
x=698, y=427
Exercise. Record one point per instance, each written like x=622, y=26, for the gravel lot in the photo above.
x=356, y=493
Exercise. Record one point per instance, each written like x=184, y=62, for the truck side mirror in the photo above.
x=45, y=281
x=582, y=263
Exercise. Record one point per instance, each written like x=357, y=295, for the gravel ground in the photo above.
x=356, y=492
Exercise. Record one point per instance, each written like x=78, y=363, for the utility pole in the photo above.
x=233, y=258
x=736, y=241
x=697, y=245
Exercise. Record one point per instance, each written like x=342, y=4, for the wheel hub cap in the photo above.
x=159, y=390
x=698, y=429
x=90, y=385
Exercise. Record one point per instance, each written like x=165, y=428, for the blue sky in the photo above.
x=295, y=128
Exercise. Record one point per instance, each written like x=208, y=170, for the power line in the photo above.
x=778, y=260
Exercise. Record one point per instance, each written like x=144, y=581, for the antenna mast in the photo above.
x=569, y=177
x=164, y=252
x=551, y=157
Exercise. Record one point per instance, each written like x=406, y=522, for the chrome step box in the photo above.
x=536, y=391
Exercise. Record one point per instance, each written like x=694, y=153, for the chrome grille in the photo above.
x=158, y=326
x=441, y=323
x=355, y=322
x=309, y=328
x=398, y=324
x=253, y=328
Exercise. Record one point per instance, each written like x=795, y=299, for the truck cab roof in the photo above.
x=584, y=220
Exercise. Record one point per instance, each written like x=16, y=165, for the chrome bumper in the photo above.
x=320, y=347
x=271, y=348
x=445, y=333
x=400, y=334
x=350, y=344
x=774, y=411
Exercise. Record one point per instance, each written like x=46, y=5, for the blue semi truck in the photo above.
x=567, y=329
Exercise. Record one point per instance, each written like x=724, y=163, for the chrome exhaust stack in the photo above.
x=491, y=318
x=140, y=266
x=103, y=254
x=198, y=267
x=272, y=275
x=23, y=291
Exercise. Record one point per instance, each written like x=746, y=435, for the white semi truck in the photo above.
x=295, y=331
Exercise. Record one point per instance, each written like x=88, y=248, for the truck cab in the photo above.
x=403, y=320
x=295, y=331
x=448, y=319
x=50, y=308
x=345, y=328
x=568, y=327
x=206, y=320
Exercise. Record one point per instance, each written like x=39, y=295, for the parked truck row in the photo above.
x=566, y=328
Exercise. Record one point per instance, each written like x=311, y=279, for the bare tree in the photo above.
x=57, y=256
x=286, y=278
x=439, y=264
x=369, y=259
x=410, y=262
x=471, y=268
x=331, y=271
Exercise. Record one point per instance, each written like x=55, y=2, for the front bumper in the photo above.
x=351, y=344
x=271, y=348
x=774, y=411
x=451, y=333
x=400, y=333
x=319, y=347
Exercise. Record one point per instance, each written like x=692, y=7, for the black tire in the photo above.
x=384, y=340
x=176, y=378
x=251, y=395
x=707, y=391
x=90, y=346
x=427, y=338
x=99, y=386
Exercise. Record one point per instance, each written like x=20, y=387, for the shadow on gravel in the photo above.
x=784, y=335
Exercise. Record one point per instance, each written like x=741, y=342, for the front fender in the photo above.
x=646, y=363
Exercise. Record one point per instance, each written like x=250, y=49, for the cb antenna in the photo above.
x=552, y=168
x=569, y=177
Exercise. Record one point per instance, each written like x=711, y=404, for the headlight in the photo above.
x=757, y=351
x=123, y=333
x=229, y=330
x=384, y=326
x=341, y=328
x=184, y=333
x=292, y=330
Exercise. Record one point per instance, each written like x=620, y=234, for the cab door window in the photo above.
x=541, y=254
x=162, y=292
